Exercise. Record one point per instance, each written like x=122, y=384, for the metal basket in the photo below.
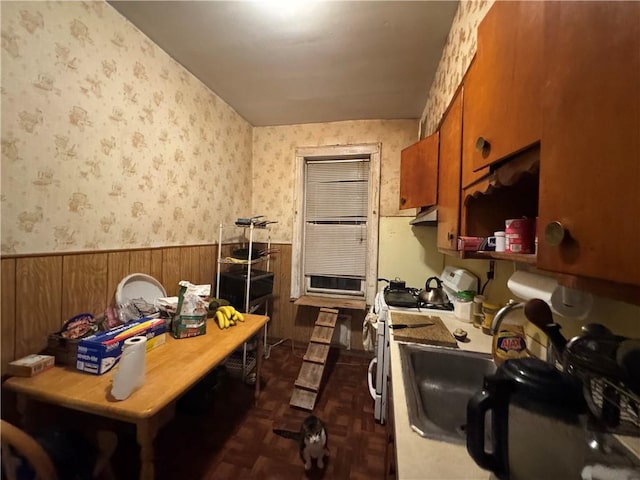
x=616, y=409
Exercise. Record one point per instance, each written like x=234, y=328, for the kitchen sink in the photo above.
x=438, y=384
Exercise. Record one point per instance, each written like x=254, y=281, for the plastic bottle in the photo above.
x=510, y=340
x=463, y=306
x=500, y=241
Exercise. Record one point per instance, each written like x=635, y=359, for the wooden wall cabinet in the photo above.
x=419, y=173
x=502, y=112
x=590, y=149
x=450, y=158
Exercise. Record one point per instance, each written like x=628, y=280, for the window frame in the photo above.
x=298, y=287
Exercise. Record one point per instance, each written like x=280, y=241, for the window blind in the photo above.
x=336, y=204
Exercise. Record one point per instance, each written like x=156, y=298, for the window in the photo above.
x=336, y=221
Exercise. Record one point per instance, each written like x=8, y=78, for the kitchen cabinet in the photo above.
x=419, y=173
x=502, y=111
x=450, y=157
x=590, y=149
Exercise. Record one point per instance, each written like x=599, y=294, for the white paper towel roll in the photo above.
x=526, y=285
x=563, y=301
x=130, y=373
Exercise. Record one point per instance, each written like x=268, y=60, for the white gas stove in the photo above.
x=453, y=280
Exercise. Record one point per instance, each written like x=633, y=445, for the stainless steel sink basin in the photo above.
x=439, y=382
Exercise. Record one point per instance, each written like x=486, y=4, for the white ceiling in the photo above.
x=317, y=61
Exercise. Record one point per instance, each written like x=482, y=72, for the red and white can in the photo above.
x=520, y=235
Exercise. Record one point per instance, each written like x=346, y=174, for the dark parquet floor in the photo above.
x=222, y=433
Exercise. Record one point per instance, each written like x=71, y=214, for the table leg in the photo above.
x=146, y=431
x=258, y=367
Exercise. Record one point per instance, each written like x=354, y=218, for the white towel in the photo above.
x=370, y=331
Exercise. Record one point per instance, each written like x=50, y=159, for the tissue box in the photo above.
x=98, y=353
x=30, y=365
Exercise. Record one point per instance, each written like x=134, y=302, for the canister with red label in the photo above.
x=520, y=235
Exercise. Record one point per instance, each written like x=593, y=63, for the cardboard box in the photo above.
x=472, y=244
x=98, y=353
x=31, y=365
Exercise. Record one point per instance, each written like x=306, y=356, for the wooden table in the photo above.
x=171, y=369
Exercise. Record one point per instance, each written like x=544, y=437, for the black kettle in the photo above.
x=528, y=422
x=433, y=295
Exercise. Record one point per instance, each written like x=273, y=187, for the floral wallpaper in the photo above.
x=456, y=58
x=107, y=142
x=274, y=169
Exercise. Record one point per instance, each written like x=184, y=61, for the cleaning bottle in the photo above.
x=509, y=340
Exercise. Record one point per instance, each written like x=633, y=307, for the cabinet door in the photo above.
x=450, y=159
x=502, y=111
x=590, y=151
x=419, y=173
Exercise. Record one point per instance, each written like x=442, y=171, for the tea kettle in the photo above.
x=537, y=422
x=433, y=295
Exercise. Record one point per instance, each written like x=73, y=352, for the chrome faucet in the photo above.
x=502, y=313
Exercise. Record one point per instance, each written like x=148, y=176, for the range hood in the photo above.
x=426, y=217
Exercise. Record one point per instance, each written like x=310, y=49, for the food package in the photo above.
x=191, y=314
x=31, y=365
x=98, y=353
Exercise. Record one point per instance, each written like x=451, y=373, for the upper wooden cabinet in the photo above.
x=449, y=175
x=590, y=149
x=502, y=111
x=419, y=173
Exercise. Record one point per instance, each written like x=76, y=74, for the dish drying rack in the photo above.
x=615, y=407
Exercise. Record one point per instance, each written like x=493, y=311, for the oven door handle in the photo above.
x=372, y=390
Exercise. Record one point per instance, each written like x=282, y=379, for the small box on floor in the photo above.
x=31, y=365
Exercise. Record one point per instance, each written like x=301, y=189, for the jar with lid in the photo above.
x=463, y=305
x=478, y=316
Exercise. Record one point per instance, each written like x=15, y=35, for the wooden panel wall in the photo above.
x=39, y=293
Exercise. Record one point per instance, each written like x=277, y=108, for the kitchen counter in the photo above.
x=420, y=458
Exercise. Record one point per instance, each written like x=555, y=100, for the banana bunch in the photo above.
x=226, y=316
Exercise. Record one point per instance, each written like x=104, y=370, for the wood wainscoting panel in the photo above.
x=206, y=268
x=8, y=312
x=39, y=293
x=284, y=311
x=156, y=269
x=171, y=272
x=85, y=284
x=188, y=263
x=118, y=267
x=140, y=262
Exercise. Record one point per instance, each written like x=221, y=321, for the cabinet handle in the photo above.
x=449, y=236
x=403, y=201
x=483, y=146
x=554, y=233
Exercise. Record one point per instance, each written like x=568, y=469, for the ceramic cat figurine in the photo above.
x=312, y=439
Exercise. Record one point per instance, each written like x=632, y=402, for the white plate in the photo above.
x=139, y=285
